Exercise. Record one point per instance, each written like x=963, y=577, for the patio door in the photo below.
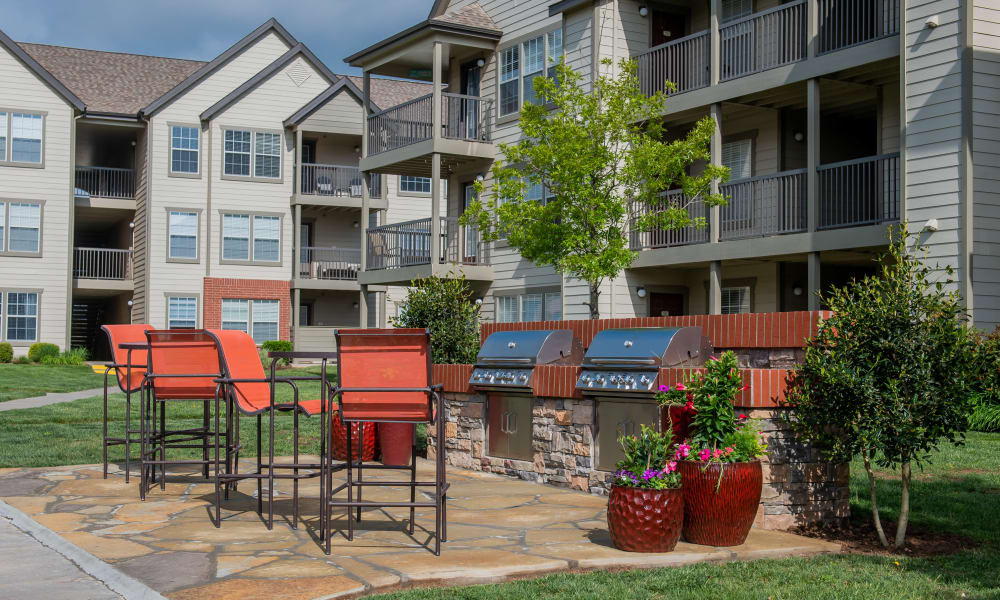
x=471, y=233
x=471, y=75
x=305, y=235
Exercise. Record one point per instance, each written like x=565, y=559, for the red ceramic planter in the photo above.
x=338, y=440
x=396, y=443
x=723, y=517
x=645, y=520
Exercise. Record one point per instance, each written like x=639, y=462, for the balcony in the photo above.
x=400, y=252
x=859, y=192
x=764, y=206
x=102, y=269
x=105, y=182
x=328, y=268
x=336, y=181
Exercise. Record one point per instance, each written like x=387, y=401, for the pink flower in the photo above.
x=704, y=454
x=712, y=357
x=744, y=388
x=689, y=405
x=716, y=453
x=680, y=386
x=671, y=466
x=730, y=450
x=742, y=416
x=664, y=388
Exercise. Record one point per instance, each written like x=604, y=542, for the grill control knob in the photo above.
x=629, y=379
x=600, y=379
x=644, y=380
x=586, y=379
x=523, y=377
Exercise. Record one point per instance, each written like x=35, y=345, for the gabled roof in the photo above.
x=41, y=72
x=280, y=63
x=384, y=93
x=112, y=82
x=207, y=69
x=472, y=15
x=344, y=85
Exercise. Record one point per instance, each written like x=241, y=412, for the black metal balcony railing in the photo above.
x=846, y=23
x=102, y=263
x=466, y=117
x=863, y=191
x=763, y=41
x=408, y=244
x=462, y=117
x=684, y=62
x=664, y=238
x=765, y=205
x=106, y=182
x=337, y=180
x=329, y=263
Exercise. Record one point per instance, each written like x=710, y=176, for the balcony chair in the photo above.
x=385, y=377
x=246, y=388
x=183, y=366
x=325, y=185
x=129, y=367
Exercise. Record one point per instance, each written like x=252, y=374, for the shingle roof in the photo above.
x=390, y=92
x=112, y=82
x=472, y=15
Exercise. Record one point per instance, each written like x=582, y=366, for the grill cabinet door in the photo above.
x=496, y=429
x=620, y=417
x=509, y=429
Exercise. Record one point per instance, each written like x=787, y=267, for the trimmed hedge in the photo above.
x=6, y=353
x=38, y=351
x=275, y=346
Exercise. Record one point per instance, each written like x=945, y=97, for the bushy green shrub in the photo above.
x=986, y=400
x=74, y=357
x=22, y=360
x=6, y=353
x=447, y=309
x=40, y=350
x=276, y=346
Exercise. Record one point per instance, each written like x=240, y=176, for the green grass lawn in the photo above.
x=26, y=381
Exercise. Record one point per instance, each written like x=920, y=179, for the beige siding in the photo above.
x=986, y=162
x=341, y=114
x=140, y=264
x=23, y=90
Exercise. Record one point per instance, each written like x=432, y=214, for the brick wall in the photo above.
x=246, y=289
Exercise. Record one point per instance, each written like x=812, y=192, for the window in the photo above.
x=265, y=320
x=527, y=307
x=184, y=149
x=236, y=237
x=236, y=153
x=26, y=138
x=735, y=300
x=236, y=314
x=520, y=64
x=182, y=312
x=22, y=316
x=737, y=157
x=266, y=238
x=21, y=227
x=183, y=235
x=3, y=221
x=414, y=185
x=267, y=155
x=3, y=136
x=735, y=9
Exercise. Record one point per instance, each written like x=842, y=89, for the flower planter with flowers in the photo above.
x=719, y=459
x=646, y=504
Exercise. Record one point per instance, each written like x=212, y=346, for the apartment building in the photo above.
x=184, y=193
x=836, y=119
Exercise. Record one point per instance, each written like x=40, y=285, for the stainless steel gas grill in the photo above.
x=506, y=367
x=628, y=361
x=508, y=359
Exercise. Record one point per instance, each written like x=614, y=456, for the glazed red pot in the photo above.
x=338, y=440
x=396, y=442
x=642, y=520
x=723, y=517
x=676, y=419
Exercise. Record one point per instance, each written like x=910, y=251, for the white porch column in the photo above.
x=715, y=287
x=812, y=153
x=436, y=92
x=296, y=259
x=715, y=41
x=715, y=157
x=814, y=280
x=435, y=209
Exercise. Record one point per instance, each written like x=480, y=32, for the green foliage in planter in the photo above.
x=40, y=350
x=276, y=346
x=447, y=309
x=74, y=357
x=890, y=375
x=649, y=460
x=713, y=394
x=6, y=353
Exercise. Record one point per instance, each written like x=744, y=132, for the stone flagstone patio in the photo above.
x=497, y=528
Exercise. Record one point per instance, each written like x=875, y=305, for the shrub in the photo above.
x=74, y=357
x=40, y=350
x=6, y=353
x=649, y=461
x=446, y=308
x=22, y=360
x=890, y=374
x=986, y=400
x=276, y=346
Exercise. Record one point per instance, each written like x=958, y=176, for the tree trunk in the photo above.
x=904, y=504
x=595, y=307
x=871, y=489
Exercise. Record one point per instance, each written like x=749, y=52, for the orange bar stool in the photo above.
x=129, y=367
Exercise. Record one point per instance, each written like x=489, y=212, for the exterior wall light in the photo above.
x=798, y=136
x=480, y=63
x=797, y=290
x=643, y=11
x=640, y=291
x=479, y=301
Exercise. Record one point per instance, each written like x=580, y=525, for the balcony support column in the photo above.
x=436, y=100
x=435, y=246
x=363, y=307
x=365, y=191
x=715, y=42
x=812, y=29
x=812, y=153
x=813, y=280
x=381, y=310
x=298, y=164
x=715, y=287
x=297, y=241
x=296, y=304
x=715, y=157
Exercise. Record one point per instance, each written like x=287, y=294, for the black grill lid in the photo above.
x=528, y=348
x=647, y=347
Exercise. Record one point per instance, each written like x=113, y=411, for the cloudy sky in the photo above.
x=201, y=29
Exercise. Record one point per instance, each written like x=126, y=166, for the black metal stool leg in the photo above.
x=361, y=461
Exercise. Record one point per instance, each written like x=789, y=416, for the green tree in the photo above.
x=889, y=375
x=446, y=307
x=593, y=153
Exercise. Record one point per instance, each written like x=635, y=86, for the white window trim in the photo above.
x=253, y=176
x=252, y=259
x=248, y=153
x=401, y=192
x=197, y=306
x=170, y=151
x=7, y=159
x=546, y=294
x=5, y=303
x=250, y=310
x=197, y=236
x=544, y=34
x=6, y=227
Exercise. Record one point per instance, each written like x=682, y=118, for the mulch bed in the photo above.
x=861, y=538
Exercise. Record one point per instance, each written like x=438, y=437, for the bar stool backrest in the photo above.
x=240, y=360
x=174, y=353
x=388, y=359
x=129, y=380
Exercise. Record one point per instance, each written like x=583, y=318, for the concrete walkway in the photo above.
x=498, y=528
x=51, y=398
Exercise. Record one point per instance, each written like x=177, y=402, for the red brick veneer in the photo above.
x=246, y=289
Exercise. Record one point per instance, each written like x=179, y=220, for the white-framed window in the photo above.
x=736, y=300
x=267, y=155
x=182, y=312
x=183, y=235
x=26, y=137
x=528, y=307
x=266, y=238
x=414, y=185
x=184, y=149
x=21, y=316
x=521, y=63
x=236, y=152
x=3, y=226
x=236, y=314
x=3, y=136
x=20, y=227
x=235, y=237
x=736, y=9
x=737, y=157
x=259, y=318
